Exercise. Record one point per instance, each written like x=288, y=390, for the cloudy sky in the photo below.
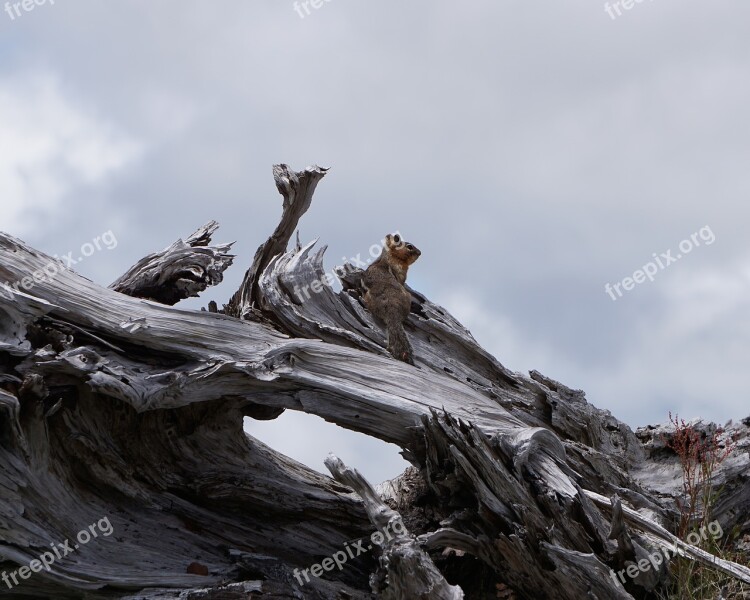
x=534, y=152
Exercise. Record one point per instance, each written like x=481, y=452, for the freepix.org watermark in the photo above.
x=662, y=556
x=328, y=279
x=340, y=558
x=14, y=8
x=661, y=262
x=613, y=10
x=305, y=5
x=59, y=551
x=47, y=273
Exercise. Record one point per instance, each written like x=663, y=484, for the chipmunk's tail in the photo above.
x=398, y=343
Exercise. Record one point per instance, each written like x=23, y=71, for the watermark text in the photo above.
x=49, y=271
x=340, y=558
x=661, y=262
x=14, y=8
x=59, y=551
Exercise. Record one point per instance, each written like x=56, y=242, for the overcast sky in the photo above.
x=533, y=151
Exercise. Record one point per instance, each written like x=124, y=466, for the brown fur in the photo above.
x=385, y=294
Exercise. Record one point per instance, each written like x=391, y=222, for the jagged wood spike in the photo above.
x=296, y=189
x=182, y=270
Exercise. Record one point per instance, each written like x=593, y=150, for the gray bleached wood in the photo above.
x=406, y=571
x=296, y=189
x=182, y=270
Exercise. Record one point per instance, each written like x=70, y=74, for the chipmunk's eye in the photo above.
x=397, y=238
x=410, y=246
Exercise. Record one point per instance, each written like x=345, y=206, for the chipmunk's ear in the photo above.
x=396, y=238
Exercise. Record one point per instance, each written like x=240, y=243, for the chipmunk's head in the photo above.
x=401, y=250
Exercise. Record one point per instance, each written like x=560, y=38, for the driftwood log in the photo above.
x=118, y=408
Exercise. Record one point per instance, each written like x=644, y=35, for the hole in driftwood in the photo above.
x=308, y=439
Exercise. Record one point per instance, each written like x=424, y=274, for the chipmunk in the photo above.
x=385, y=295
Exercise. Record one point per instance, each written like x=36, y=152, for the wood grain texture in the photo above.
x=183, y=270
